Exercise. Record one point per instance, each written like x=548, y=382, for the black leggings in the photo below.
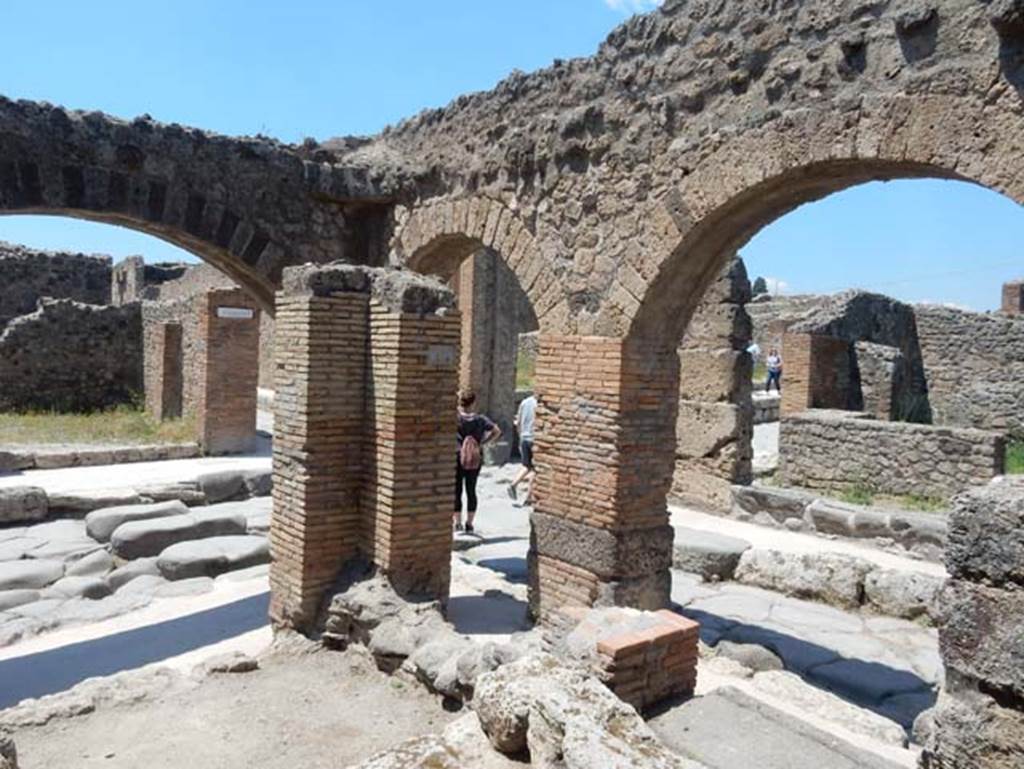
x=469, y=478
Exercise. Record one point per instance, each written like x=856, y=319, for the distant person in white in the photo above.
x=524, y=424
x=774, y=363
x=755, y=351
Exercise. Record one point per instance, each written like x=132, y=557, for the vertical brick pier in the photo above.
x=366, y=373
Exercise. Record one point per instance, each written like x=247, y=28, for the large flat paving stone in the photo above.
x=101, y=524
x=731, y=730
x=210, y=557
x=140, y=539
x=29, y=574
x=23, y=503
x=19, y=547
x=257, y=512
x=713, y=556
x=124, y=575
x=10, y=599
x=92, y=588
x=83, y=502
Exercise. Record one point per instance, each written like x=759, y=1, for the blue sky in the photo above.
x=323, y=68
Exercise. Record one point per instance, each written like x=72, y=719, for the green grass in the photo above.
x=526, y=369
x=124, y=425
x=865, y=494
x=760, y=372
x=858, y=494
x=1015, y=458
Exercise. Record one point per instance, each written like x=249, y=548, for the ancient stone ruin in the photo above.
x=613, y=191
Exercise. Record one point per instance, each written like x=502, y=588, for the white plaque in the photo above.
x=240, y=313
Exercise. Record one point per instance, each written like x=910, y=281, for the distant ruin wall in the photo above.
x=841, y=450
x=28, y=275
x=975, y=367
x=714, y=428
x=69, y=356
x=155, y=316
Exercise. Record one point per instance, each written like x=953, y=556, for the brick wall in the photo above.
x=68, y=356
x=815, y=373
x=714, y=429
x=166, y=375
x=605, y=426
x=836, y=450
x=229, y=325
x=28, y=275
x=1013, y=298
x=184, y=313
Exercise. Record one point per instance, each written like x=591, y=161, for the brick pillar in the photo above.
x=319, y=424
x=715, y=428
x=364, y=444
x=816, y=373
x=1013, y=297
x=410, y=452
x=229, y=341
x=164, y=376
x=605, y=435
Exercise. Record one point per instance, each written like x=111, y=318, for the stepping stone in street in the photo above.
x=29, y=574
x=713, y=556
x=10, y=599
x=92, y=588
x=101, y=524
x=213, y=556
x=124, y=575
x=139, y=539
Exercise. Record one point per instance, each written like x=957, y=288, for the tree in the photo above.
x=760, y=286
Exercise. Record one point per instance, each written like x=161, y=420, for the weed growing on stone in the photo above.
x=858, y=494
x=1015, y=458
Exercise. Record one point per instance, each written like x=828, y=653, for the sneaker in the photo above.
x=469, y=528
x=458, y=526
x=512, y=493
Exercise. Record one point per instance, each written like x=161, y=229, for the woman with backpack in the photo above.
x=474, y=430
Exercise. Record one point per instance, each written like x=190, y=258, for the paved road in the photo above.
x=59, y=669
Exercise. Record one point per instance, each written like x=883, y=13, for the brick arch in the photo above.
x=753, y=180
x=243, y=205
x=437, y=236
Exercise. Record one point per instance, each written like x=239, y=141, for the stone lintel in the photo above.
x=400, y=291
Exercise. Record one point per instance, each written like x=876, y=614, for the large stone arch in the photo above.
x=250, y=207
x=748, y=182
x=434, y=238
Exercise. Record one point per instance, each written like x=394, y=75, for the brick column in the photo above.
x=605, y=456
x=229, y=340
x=319, y=424
x=163, y=376
x=816, y=373
x=1013, y=298
x=410, y=452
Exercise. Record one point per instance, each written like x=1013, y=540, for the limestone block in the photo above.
x=714, y=375
x=95, y=564
x=213, y=556
x=29, y=575
x=146, y=538
x=982, y=634
x=101, y=524
x=132, y=570
x=703, y=428
x=92, y=588
x=22, y=504
x=901, y=593
x=10, y=599
x=780, y=504
x=713, y=556
x=828, y=577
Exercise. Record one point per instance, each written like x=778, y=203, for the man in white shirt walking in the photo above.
x=524, y=424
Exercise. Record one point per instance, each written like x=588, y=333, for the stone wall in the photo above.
x=840, y=450
x=68, y=356
x=156, y=316
x=975, y=367
x=979, y=720
x=714, y=428
x=1013, y=298
x=28, y=275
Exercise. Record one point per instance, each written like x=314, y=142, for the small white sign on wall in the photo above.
x=239, y=313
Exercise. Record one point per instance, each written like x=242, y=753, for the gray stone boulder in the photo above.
x=986, y=534
x=231, y=662
x=257, y=512
x=83, y=502
x=905, y=594
x=780, y=504
x=831, y=578
x=713, y=556
x=29, y=574
x=101, y=524
x=213, y=556
x=132, y=570
x=92, y=588
x=146, y=538
x=974, y=732
x=10, y=599
x=22, y=504
x=96, y=564
x=753, y=656
x=830, y=517
x=228, y=485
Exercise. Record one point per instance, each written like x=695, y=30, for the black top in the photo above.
x=476, y=425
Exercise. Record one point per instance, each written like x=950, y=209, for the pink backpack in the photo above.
x=469, y=453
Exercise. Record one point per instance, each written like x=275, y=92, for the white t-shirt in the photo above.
x=527, y=411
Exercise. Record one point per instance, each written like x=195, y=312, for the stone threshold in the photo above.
x=13, y=459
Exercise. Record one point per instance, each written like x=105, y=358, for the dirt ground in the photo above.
x=322, y=710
